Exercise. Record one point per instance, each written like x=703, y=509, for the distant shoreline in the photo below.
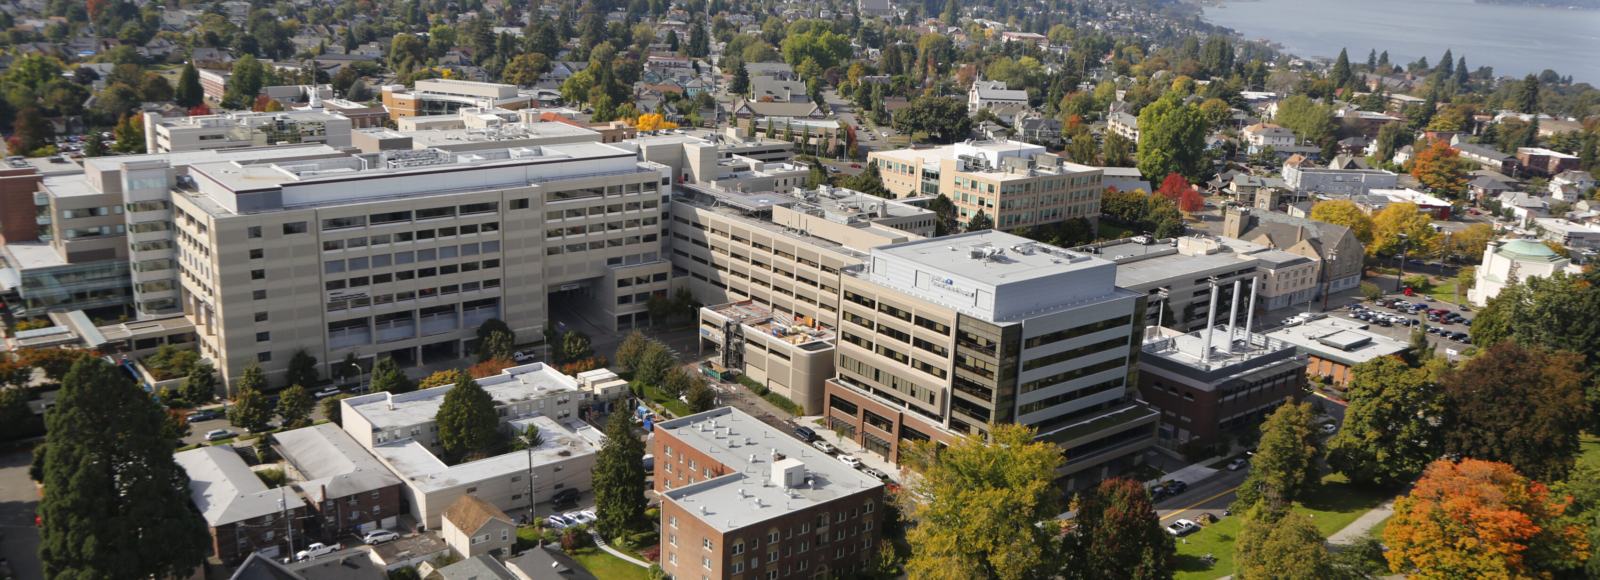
x=1527, y=4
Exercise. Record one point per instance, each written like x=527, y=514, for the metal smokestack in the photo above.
x=1233, y=316
x=1250, y=317
x=1211, y=322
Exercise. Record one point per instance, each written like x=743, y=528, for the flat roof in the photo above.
x=236, y=176
x=505, y=132
x=522, y=383
x=69, y=186
x=420, y=468
x=1008, y=267
x=33, y=255
x=1338, y=340
x=239, y=154
x=332, y=462
x=226, y=490
x=1141, y=272
x=750, y=448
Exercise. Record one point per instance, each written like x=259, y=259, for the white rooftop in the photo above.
x=225, y=489
x=1339, y=340
x=333, y=463
x=413, y=462
x=523, y=383
x=747, y=495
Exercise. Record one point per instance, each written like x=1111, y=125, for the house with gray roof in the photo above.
x=244, y=516
x=763, y=89
x=1335, y=246
x=350, y=488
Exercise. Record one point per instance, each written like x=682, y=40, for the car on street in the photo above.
x=219, y=434
x=326, y=392
x=566, y=495
x=850, y=461
x=805, y=433
x=875, y=474
x=578, y=516
x=1428, y=297
x=314, y=550
x=556, y=522
x=1329, y=429
x=378, y=537
x=205, y=415
x=825, y=447
x=1415, y=262
x=1472, y=211
x=1183, y=528
x=855, y=165
x=524, y=356
x=592, y=515
x=1238, y=464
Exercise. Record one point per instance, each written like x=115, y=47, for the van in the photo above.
x=805, y=433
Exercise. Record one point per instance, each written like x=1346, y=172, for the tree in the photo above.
x=1341, y=70
x=31, y=131
x=1281, y=548
x=250, y=408
x=1389, y=433
x=332, y=410
x=15, y=414
x=1309, y=121
x=655, y=364
x=619, y=479
x=977, y=505
x=1403, y=219
x=495, y=340
x=130, y=136
x=388, y=378
x=1119, y=536
x=1191, y=202
x=699, y=395
x=659, y=308
x=525, y=69
x=1172, y=139
x=467, y=418
x=201, y=385
x=1345, y=213
x=94, y=146
x=1441, y=168
x=573, y=346
x=1173, y=187
x=631, y=350
x=979, y=222
x=490, y=367
x=302, y=369
x=740, y=85
x=1549, y=312
x=529, y=438
x=1471, y=242
x=54, y=362
x=116, y=503
x=245, y=84
x=1118, y=151
x=1481, y=519
x=1285, y=463
x=1539, y=434
x=295, y=407
x=944, y=119
x=1527, y=95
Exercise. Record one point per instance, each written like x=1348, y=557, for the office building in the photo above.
x=1207, y=395
x=1182, y=272
x=444, y=96
x=1015, y=184
x=244, y=129
x=768, y=267
x=403, y=253
x=741, y=499
x=402, y=431
x=940, y=337
x=19, y=213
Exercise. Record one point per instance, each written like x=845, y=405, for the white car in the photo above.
x=556, y=522
x=327, y=392
x=218, y=434
x=1183, y=528
x=885, y=134
x=825, y=446
x=379, y=537
x=314, y=550
x=591, y=514
x=850, y=461
x=521, y=356
x=579, y=517
x=1237, y=464
x=1329, y=429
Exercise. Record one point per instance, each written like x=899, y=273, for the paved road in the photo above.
x=19, y=539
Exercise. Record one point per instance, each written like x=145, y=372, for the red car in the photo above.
x=1472, y=211
x=855, y=165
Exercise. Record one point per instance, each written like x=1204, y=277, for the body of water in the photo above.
x=1515, y=40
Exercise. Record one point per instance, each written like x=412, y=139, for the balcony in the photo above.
x=439, y=323
x=398, y=330
x=341, y=339
x=475, y=316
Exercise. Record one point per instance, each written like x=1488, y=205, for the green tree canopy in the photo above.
x=295, y=407
x=1286, y=462
x=387, y=377
x=116, y=503
x=250, y=408
x=302, y=370
x=201, y=385
x=1119, y=536
x=467, y=418
x=1172, y=139
x=619, y=479
x=1283, y=548
x=1519, y=406
x=1390, y=430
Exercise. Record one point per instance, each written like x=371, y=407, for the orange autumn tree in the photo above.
x=1173, y=187
x=1440, y=167
x=1480, y=519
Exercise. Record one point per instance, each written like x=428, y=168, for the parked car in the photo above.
x=327, y=392
x=566, y=495
x=314, y=550
x=205, y=415
x=875, y=474
x=592, y=515
x=1177, y=487
x=850, y=461
x=556, y=522
x=805, y=434
x=1329, y=429
x=825, y=447
x=1183, y=528
x=578, y=516
x=855, y=165
x=1238, y=464
x=219, y=434
x=379, y=537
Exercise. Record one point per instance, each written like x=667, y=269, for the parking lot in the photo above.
x=1448, y=325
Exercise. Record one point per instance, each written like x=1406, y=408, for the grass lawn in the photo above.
x=1332, y=506
x=608, y=567
x=1377, y=531
x=675, y=406
x=1443, y=291
x=1589, y=450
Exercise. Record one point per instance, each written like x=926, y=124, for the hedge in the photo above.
x=762, y=391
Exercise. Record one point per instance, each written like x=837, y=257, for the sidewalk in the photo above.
x=1367, y=521
x=599, y=541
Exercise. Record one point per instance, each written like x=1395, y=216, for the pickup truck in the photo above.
x=314, y=550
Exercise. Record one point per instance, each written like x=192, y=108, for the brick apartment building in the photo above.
x=244, y=516
x=350, y=489
x=742, y=500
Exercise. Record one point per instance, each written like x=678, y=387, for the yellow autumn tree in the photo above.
x=1403, y=219
x=652, y=122
x=1345, y=213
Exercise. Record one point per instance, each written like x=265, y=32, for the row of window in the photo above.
x=408, y=257
x=1069, y=396
x=382, y=299
x=1070, y=333
x=600, y=228
x=599, y=210
x=558, y=249
x=402, y=275
x=402, y=237
x=406, y=216
x=1066, y=355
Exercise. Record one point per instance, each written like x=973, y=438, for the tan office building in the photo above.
x=1013, y=183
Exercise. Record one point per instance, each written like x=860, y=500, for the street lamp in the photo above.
x=1400, y=280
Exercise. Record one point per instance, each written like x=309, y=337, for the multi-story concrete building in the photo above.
x=941, y=337
x=768, y=264
x=1123, y=124
x=1015, y=184
x=742, y=500
x=19, y=219
x=402, y=254
x=443, y=96
x=244, y=129
x=1184, y=270
x=1337, y=181
x=1332, y=345
x=402, y=431
x=1206, y=395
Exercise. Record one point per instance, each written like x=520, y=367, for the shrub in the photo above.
x=652, y=554
x=784, y=403
x=759, y=389
x=272, y=478
x=654, y=514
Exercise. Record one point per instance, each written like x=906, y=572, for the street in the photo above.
x=19, y=499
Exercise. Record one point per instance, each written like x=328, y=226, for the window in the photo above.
x=263, y=336
x=258, y=274
x=738, y=567
x=253, y=232
x=264, y=356
x=258, y=295
x=258, y=254
x=294, y=228
x=705, y=561
x=706, y=542
x=505, y=535
x=344, y=222
x=520, y=203
x=437, y=212
x=261, y=317
x=672, y=521
x=480, y=539
x=737, y=549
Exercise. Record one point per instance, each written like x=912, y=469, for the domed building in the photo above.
x=1513, y=258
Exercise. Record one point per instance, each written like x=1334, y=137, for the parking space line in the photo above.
x=1179, y=511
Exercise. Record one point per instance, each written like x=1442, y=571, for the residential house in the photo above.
x=547, y=564
x=475, y=568
x=1123, y=124
x=777, y=70
x=1403, y=154
x=759, y=110
x=771, y=90
x=1263, y=135
x=346, y=565
x=1043, y=130
x=1571, y=184
x=993, y=94
x=1486, y=186
x=1486, y=156
x=409, y=550
x=1335, y=246
x=1012, y=36
x=1255, y=191
x=474, y=527
x=878, y=8
x=1525, y=206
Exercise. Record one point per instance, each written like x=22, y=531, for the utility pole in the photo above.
x=531, y=500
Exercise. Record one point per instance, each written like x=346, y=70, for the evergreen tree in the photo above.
x=1285, y=464
x=14, y=412
x=772, y=131
x=1341, y=70
x=250, y=408
x=188, y=92
x=1461, y=72
x=1372, y=60
x=467, y=418
x=700, y=397
x=631, y=350
x=201, y=385
x=1527, y=95
x=741, y=80
x=654, y=365
x=750, y=129
x=979, y=222
x=94, y=146
x=495, y=340
x=302, y=369
x=387, y=377
x=619, y=479
x=1447, y=64
x=116, y=504
x=295, y=407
